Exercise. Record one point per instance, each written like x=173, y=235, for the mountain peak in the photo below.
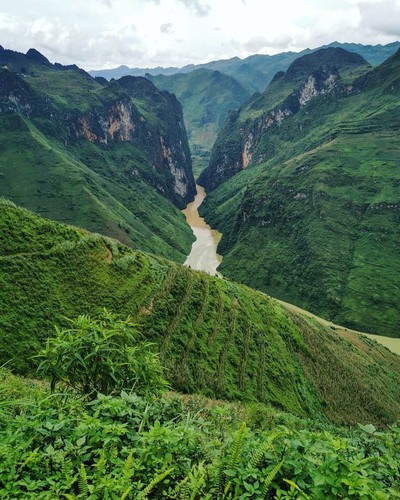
x=36, y=56
x=323, y=58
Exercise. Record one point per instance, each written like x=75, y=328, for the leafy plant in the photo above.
x=103, y=354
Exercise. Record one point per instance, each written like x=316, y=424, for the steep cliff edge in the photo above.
x=312, y=75
x=126, y=138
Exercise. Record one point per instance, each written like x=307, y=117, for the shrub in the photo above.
x=104, y=355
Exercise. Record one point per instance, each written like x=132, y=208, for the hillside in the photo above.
x=310, y=211
x=214, y=336
x=112, y=158
x=206, y=97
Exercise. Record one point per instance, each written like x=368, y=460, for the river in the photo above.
x=203, y=255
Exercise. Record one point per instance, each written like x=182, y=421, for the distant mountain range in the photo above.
x=256, y=71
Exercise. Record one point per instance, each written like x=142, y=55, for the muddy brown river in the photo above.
x=203, y=255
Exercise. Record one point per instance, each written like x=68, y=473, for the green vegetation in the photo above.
x=207, y=97
x=314, y=218
x=110, y=158
x=129, y=447
x=214, y=337
x=102, y=354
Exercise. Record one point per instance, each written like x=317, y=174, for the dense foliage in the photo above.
x=214, y=336
x=102, y=354
x=122, y=447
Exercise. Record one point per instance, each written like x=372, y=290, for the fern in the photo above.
x=143, y=494
x=128, y=466
x=126, y=493
x=82, y=481
x=233, y=461
x=237, y=447
x=294, y=485
x=191, y=484
x=270, y=478
x=258, y=455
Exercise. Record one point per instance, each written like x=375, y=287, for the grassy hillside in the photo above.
x=314, y=218
x=112, y=158
x=207, y=97
x=214, y=336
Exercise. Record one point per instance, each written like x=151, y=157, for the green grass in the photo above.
x=215, y=337
x=314, y=219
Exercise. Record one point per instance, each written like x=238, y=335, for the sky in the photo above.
x=99, y=34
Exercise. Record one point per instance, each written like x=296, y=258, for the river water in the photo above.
x=203, y=255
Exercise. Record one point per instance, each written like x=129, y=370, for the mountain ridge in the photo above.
x=123, y=163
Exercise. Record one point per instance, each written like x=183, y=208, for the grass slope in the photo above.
x=214, y=336
x=314, y=219
x=42, y=176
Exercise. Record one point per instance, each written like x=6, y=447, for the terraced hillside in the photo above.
x=306, y=190
x=112, y=158
x=214, y=336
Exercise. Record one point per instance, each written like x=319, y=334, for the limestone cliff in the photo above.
x=308, y=77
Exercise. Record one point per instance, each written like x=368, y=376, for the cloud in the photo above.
x=382, y=17
x=201, y=9
x=258, y=43
x=167, y=28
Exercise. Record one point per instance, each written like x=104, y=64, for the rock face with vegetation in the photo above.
x=111, y=157
x=207, y=97
x=214, y=336
x=306, y=190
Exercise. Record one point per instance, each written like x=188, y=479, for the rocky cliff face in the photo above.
x=108, y=116
x=307, y=78
x=110, y=157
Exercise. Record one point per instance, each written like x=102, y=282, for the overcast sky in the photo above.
x=98, y=34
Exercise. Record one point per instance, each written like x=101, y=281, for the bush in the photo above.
x=102, y=355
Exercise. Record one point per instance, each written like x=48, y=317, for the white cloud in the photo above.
x=381, y=17
x=107, y=33
x=167, y=28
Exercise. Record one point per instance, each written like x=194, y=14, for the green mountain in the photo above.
x=206, y=97
x=256, y=71
x=109, y=157
x=209, y=91
x=306, y=190
x=214, y=336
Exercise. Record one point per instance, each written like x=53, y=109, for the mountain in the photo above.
x=305, y=181
x=110, y=157
x=209, y=91
x=256, y=71
x=214, y=336
x=206, y=97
